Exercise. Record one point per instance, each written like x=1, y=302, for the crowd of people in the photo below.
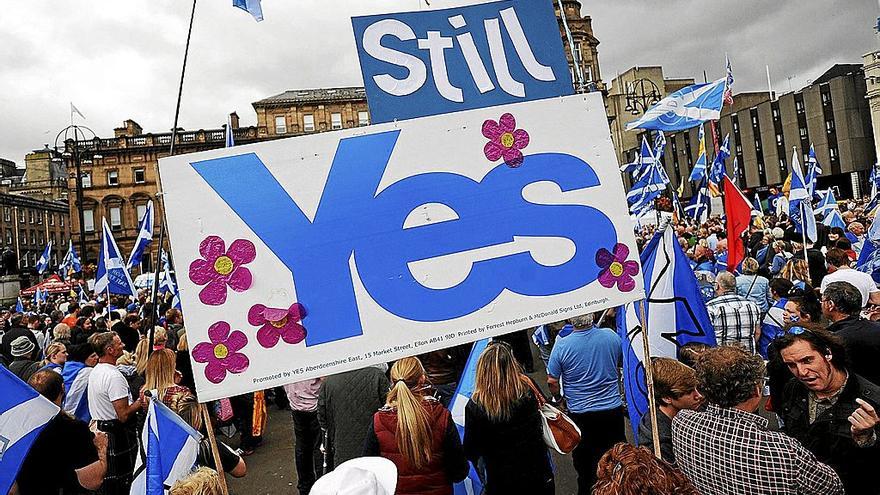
x=786, y=402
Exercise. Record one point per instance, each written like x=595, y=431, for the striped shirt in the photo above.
x=735, y=319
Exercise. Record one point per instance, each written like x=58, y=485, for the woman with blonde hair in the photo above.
x=796, y=271
x=56, y=356
x=417, y=433
x=202, y=481
x=162, y=377
x=61, y=333
x=504, y=428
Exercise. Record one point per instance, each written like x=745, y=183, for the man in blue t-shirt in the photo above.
x=584, y=367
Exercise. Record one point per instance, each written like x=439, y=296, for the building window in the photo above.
x=588, y=74
x=140, y=176
x=115, y=218
x=779, y=139
x=141, y=209
x=782, y=165
x=309, y=123
x=39, y=218
x=829, y=126
x=775, y=114
x=24, y=260
x=755, y=120
x=833, y=152
x=21, y=216
x=336, y=121
x=54, y=238
x=7, y=214
x=736, y=126
x=51, y=219
x=42, y=239
x=803, y=131
x=31, y=216
x=280, y=125
x=739, y=149
x=8, y=236
x=799, y=106
x=826, y=98
x=363, y=118
x=86, y=180
x=758, y=145
x=88, y=220
x=33, y=238
x=112, y=177
x=61, y=220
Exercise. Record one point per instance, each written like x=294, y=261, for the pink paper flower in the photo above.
x=220, y=268
x=505, y=140
x=221, y=353
x=616, y=269
x=278, y=323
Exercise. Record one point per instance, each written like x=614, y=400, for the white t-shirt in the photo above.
x=106, y=384
x=860, y=280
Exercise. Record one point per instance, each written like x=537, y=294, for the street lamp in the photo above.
x=75, y=143
x=641, y=96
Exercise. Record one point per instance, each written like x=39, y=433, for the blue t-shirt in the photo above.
x=586, y=363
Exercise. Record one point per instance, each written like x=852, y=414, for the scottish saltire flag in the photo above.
x=800, y=208
x=875, y=180
x=23, y=415
x=71, y=262
x=869, y=256
x=735, y=177
x=39, y=297
x=76, y=382
x=758, y=206
x=112, y=275
x=827, y=204
x=82, y=294
x=728, y=87
x=698, y=209
x=833, y=219
x=144, y=237
x=252, y=7
x=659, y=145
x=699, y=170
x=19, y=306
x=166, y=284
x=716, y=175
x=814, y=170
x=771, y=326
x=158, y=467
x=472, y=484
x=43, y=262
x=684, y=109
x=230, y=140
x=650, y=185
x=676, y=315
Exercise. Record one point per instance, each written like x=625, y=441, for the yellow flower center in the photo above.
x=280, y=323
x=223, y=265
x=221, y=351
x=616, y=269
x=507, y=140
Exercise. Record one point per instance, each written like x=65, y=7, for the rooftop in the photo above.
x=838, y=70
x=314, y=96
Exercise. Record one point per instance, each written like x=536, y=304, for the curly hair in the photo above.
x=629, y=470
x=729, y=375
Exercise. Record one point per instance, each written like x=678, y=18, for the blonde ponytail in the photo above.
x=413, y=427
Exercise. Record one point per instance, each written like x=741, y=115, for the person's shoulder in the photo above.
x=868, y=390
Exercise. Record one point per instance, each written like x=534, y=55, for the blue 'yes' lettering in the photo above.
x=352, y=219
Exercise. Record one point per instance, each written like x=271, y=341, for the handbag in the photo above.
x=560, y=432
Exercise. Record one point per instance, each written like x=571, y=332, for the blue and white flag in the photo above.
x=472, y=484
x=833, y=219
x=676, y=315
x=718, y=168
x=699, y=170
x=111, y=275
x=230, y=139
x=758, y=206
x=71, y=262
x=159, y=467
x=23, y=415
x=869, y=256
x=827, y=204
x=166, y=283
x=814, y=170
x=659, y=145
x=771, y=326
x=735, y=177
x=252, y=7
x=649, y=178
x=800, y=208
x=39, y=297
x=82, y=294
x=43, y=262
x=76, y=383
x=684, y=109
x=874, y=179
x=19, y=306
x=698, y=209
x=144, y=237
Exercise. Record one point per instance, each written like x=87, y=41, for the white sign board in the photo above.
x=319, y=254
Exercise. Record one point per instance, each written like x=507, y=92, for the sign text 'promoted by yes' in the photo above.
x=427, y=63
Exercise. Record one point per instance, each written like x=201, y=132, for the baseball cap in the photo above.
x=361, y=476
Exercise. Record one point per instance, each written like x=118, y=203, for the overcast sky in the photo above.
x=120, y=59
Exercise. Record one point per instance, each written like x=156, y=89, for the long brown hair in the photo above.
x=413, y=426
x=499, y=381
x=629, y=470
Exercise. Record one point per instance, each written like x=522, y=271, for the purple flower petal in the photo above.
x=255, y=315
x=242, y=251
x=520, y=139
x=218, y=332
x=212, y=248
x=607, y=279
x=203, y=352
x=621, y=252
x=630, y=268
x=215, y=372
x=293, y=333
x=491, y=130
x=493, y=151
x=236, y=341
x=268, y=336
x=513, y=157
x=213, y=294
x=297, y=311
x=202, y=271
x=240, y=280
x=626, y=283
x=236, y=362
x=507, y=123
x=604, y=258
x=275, y=314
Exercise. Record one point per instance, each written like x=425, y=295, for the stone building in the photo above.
x=586, y=53
x=27, y=224
x=305, y=111
x=872, y=81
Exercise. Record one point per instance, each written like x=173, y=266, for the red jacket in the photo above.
x=447, y=464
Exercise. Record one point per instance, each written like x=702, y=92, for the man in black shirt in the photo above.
x=841, y=304
x=67, y=458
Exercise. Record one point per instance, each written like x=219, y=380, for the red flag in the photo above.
x=738, y=211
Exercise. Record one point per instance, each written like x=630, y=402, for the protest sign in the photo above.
x=438, y=61
x=318, y=254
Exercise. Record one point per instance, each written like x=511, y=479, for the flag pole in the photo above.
x=649, y=378
x=804, y=234
x=574, y=59
x=212, y=439
x=154, y=295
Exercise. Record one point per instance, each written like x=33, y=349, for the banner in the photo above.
x=423, y=63
x=319, y=254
